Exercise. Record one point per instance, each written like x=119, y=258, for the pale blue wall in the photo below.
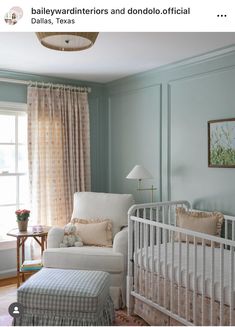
x=159, y=119
x=134, y=138
x=98, y=119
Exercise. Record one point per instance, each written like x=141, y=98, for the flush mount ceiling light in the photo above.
x=70, y=41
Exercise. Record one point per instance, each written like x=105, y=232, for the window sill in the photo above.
x=6, y=245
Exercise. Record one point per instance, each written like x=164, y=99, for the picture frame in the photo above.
x=221, y=143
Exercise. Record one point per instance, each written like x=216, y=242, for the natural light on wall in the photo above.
x=13, y=168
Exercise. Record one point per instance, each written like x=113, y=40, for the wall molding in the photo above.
x=201, y=74
x=113, y=93
x=182, y=64
x=46, y=78
x=17, y=106
x=166, y=162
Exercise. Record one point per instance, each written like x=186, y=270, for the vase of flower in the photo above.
x=22, y=219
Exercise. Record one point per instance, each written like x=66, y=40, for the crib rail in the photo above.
x=186, y=275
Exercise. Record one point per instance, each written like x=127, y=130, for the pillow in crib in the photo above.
x=96, y=232
x=199, y=221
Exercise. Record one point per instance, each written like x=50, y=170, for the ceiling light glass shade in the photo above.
x=139, y=172
x=67, y=41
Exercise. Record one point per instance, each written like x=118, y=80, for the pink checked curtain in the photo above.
x=59, y=151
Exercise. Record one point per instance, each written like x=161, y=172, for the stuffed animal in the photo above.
x=70, y=237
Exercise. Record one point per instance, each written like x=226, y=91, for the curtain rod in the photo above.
x=44, y=84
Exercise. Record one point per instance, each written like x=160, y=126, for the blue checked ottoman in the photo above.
x=63, y=297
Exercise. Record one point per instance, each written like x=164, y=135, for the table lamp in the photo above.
x=139, y=172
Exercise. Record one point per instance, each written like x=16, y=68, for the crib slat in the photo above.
x=164, y=214
x=141, y=258
x=168, y=215
x=226, y=231
x=135, y=256
x=203, y=280
x=138, y=262
x=233, y=230
x=172, y=269
x=195, y=282
x=152, y=260
x=179, y=272
x=231, y=285
x=212, y=281
x=187, y=278
x=151, y=214
x=221, y=284
x=159, y=262
x=145, y=244
x=165, y=266
x=175, y=215
x=157, y=215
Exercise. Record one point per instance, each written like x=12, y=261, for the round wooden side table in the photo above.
x=21, y=237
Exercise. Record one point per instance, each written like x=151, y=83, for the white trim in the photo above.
x=8, y=273
x=7, y=245
x=14, y=81
x=17, y=106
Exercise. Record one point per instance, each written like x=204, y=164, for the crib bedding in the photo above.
x=176, y=275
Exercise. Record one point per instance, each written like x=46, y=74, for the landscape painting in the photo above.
x=221, y=143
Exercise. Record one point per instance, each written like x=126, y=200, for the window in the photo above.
x=13, y=167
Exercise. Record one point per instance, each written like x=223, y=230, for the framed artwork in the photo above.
x=221, y=143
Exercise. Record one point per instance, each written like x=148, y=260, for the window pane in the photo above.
x=23, y=160
x=10, y=190
x=7, y=129
x=24, y=190
x=7, y=220
x=7, y=158
x=7, y=189
x=22, y=129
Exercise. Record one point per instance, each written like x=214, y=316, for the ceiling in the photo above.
x=114, y=55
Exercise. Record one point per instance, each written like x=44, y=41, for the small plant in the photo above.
x=22, y=215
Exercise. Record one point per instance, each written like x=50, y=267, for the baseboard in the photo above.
x=8, y=282
x=8, y=273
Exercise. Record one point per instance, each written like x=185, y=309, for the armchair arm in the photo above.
x=120, y=242
x=55, y=237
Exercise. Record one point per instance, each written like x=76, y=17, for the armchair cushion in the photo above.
x=84, y=258
x=120, y=245
x=106, y=205
x=55, y=237
x=120, y=242
x=97, y=233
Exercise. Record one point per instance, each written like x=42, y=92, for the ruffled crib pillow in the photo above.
x=97, y=232
x=198, y=221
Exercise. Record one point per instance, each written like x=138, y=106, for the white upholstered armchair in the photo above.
x=90, y=205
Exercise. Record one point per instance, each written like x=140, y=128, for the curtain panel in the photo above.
x=58, y=151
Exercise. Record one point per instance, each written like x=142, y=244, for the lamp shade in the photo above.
x=67, y=41
x=139, y=172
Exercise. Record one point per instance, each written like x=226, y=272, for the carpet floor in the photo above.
x=8, y=295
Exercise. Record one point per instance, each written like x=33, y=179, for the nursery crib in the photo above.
x=178, y=276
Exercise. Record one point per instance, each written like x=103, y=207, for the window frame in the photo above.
x=14, y=108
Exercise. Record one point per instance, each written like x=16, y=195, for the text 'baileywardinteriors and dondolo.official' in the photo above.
x=58, y=16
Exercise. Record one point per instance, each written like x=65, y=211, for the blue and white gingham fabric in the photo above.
x=66, y=297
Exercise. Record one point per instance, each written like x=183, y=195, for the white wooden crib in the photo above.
x=171, y=282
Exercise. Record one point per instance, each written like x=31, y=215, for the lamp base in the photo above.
x=147, y=189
